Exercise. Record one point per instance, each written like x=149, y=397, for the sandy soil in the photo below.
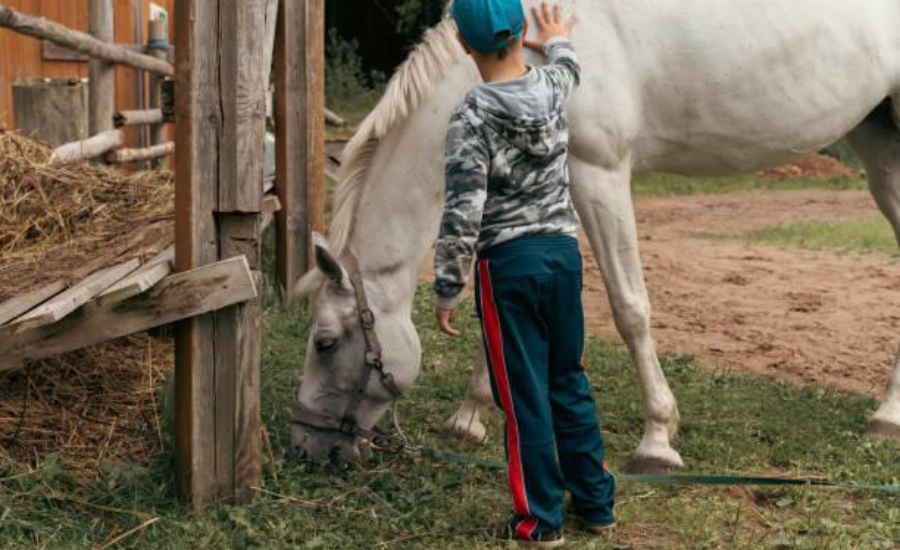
x=811, y=317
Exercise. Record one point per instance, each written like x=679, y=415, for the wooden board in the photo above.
x=141, y=280
x=300, y=141
x=70, y=300
x=219, y=171
x=179, y=296
x=14, y=307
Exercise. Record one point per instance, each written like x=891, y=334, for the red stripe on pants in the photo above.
x=494, y=341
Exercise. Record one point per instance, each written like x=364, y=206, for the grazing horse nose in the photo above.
x=318, y=445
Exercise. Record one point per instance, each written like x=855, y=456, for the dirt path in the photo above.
x=812, y=317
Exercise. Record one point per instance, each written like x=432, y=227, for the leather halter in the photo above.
x=347, y=424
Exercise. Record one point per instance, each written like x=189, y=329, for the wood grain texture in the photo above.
x=196, y=181
x=68, y=301
x=219, y=160
x=142, y=280
x=300, y=141
x=15, y=307
x=242, y=51
x=182, y=295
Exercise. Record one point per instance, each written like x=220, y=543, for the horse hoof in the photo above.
x=881, y=428
x=469, y=433
x=661, y=463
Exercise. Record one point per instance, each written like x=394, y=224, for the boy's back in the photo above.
x=507, y=176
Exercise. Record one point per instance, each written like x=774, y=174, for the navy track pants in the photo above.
x=529, y=301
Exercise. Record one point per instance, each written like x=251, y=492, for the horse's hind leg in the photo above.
x=877, y=142
x=603, y=199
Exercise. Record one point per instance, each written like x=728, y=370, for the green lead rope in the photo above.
x=666, y=479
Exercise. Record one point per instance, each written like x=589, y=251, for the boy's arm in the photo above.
x=466, y=191
x=562, y=66
x=553, y=41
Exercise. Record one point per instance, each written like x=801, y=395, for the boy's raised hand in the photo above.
x=550, y=24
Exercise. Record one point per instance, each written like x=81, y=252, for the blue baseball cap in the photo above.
x=489, y=25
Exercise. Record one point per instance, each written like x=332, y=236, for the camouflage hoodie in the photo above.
x=507, y=177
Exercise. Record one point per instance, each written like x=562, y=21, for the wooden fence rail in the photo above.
x=44, y=29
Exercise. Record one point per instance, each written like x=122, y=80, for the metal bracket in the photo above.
x=167, y=100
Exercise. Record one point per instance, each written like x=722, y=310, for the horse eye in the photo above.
x=324, y=345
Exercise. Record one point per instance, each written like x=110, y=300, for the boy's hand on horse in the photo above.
x=550, y=25
x=444, y=318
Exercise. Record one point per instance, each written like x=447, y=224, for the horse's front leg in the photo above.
x=466, y=423
x=603, y=199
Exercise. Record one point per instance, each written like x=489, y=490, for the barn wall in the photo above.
x=21, y=56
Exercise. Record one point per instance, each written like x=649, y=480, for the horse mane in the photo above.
x=411, y=85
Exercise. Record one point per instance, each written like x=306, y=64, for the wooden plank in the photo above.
x=271, y=204
x=177, y=297
x=40, y=28
x=76, y=296
x=14, y=307
x=196, y=166
x=101, y=73
x=141, y=280
x=300, y=142
x=242, y=50
x=219, y=169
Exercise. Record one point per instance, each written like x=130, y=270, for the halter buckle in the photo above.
x=367, y=318
x=348, y=426
x=373, y=359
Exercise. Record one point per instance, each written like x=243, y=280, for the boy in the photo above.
x=508, y=199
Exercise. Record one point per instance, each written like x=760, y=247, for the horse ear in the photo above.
x=325, y=261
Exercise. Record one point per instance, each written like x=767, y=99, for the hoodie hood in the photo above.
x=525, y=111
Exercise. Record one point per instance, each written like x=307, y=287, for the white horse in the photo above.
x=694, y=87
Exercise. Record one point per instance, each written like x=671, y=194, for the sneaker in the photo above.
x=599, y=528
x=547, y=539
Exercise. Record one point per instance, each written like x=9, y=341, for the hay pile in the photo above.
x=63, y=223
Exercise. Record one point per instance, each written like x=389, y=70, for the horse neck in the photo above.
x=399, y=211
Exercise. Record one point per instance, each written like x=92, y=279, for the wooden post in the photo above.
x=158, y=47
x=219, y=171
x=101, y=74
x=300, y=142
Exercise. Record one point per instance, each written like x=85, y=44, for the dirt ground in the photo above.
x=811, y=317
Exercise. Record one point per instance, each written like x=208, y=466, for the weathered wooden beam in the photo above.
x=43, y=29
x=141, y=280
x=101, y=73
x=300, y=142
x=158, y=47
x=14, y=307
x=177, y=297
x=219, y=180
x=134, y=118
x=89, y=148
x=51, y=110
x=120, y=156
x=73, y=298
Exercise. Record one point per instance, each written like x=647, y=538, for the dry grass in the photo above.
x=62, y=223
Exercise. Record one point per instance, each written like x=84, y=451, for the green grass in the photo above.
x=866, y=234
x=670, y=185
x=731, y=424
